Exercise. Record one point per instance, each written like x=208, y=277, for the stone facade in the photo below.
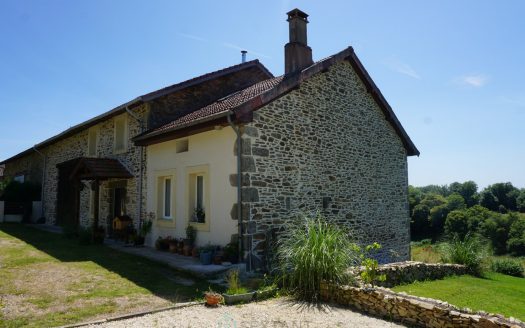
x=76, y=146
x=411, y=310
x=326, y=146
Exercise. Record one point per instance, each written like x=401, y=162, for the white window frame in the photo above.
x=192, y=173
x=160, y=187
x=93, y=130
x=164, y=180
x=124, y=119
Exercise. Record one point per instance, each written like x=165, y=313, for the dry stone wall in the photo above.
x=409, y=271
x=412, y=310
x=327, y=147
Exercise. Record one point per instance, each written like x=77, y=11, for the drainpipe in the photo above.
x=142, y=125
x=42, y=202
x=239, y=182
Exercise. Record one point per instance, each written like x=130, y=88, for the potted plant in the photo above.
x=143, y=231
x=231, y=252
x=236, y=293
x=173, y=245
x=189, y=240
x=218, y=256
x=162, y=244
x=206, y=254
x=195, y=251
x=212, y=298
x=199, y=215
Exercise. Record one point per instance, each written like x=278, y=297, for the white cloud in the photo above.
x=473, y=80
x=403, y=68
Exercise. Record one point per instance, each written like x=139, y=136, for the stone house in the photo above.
x=321, y=137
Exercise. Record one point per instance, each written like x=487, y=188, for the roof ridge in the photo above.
x=204, y=77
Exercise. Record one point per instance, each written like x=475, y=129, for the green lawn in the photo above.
x=495, y=293
x=49, y=280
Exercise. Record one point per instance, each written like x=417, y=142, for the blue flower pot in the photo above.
x=206, y=257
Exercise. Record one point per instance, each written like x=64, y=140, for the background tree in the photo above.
x=520, y=201
x=500, y=197
x=468, y=190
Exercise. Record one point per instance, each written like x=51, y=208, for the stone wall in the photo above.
x=76, y=146
x=326, y=146
x=407, y=272
x=412, y=310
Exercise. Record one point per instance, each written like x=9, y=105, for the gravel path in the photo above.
x=274, y=313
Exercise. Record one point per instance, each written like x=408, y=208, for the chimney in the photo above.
x=243, y=55
x=297, y=53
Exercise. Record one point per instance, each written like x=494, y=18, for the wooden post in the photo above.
x=96, y=189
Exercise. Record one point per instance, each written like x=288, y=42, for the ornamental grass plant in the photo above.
x=310, y=250
x=468, y=251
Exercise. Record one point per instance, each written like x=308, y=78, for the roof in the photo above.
x=139, y=100
x=244, y=102
x=99, y=169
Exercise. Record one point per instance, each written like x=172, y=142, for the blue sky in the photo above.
x=452, y=70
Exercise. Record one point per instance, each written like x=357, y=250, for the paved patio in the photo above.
x=183, y=263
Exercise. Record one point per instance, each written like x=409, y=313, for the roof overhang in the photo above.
x=88, y=168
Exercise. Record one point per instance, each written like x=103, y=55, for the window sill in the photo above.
x=165, y=222
x=200, y=226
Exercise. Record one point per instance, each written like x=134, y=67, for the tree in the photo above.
x=497, y=229
x=500, y=197
x=456, y=224
x=516, y=242
x=520, y=201
x=414, y=197
x=435, y=189
x=419, y=225
x=433, y=200
x=468, y=190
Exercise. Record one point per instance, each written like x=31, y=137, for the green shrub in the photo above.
x=370, y=274
x=468, y=251
x=456, y=224
x=311, y=250
x=508, y=266
x=516, y=246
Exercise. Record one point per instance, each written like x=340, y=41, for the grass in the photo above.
x=430, y=254
x=496, y=293
x=49, y=280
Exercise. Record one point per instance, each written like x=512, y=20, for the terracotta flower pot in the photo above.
x=173, y=247
x=195, y=251
x=187, y=250
x=213, y=299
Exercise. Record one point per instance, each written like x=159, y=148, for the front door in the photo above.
x=68, y=195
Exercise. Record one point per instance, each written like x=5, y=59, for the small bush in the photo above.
x=508, y=266
x=468, y=251
x=516, y=246
x=311, y=250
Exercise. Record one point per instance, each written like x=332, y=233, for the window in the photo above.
x=19, y=178
x=198, y=196
x=121, y=135
x=165, y=195
x=92, y=141
x=167, y=198
x=181, y=146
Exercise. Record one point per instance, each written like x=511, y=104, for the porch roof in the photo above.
x=99, y=169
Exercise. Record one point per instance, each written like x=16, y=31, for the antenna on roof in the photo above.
x=243, y=54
